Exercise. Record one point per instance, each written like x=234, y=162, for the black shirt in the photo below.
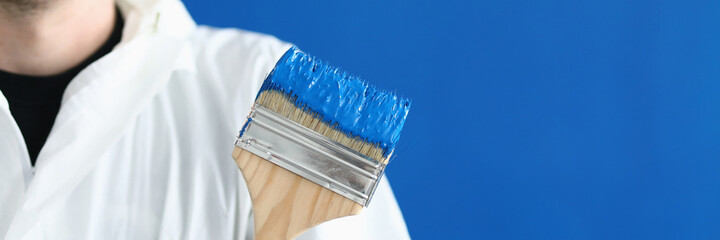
x=35, y=101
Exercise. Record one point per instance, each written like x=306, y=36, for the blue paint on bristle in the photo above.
x=358, y=109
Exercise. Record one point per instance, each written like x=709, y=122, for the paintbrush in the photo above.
x=315, y=145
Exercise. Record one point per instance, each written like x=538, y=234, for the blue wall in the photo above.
x=532, y=119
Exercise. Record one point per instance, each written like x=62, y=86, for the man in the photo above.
x=118, y=119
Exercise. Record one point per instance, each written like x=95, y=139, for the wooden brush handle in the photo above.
x=285, y=204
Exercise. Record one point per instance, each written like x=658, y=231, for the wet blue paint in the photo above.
x=358, y=109
x=242, y=131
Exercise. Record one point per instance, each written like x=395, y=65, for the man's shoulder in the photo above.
x=229, y=68
x=231, y=43
x=235, y=56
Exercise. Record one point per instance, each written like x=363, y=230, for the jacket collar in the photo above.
x=104, y=100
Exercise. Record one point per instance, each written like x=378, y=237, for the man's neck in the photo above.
x=55, y=38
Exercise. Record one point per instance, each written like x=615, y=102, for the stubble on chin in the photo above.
x=19, y=8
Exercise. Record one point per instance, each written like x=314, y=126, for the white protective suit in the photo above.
x=141, y=146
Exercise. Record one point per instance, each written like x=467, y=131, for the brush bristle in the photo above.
x=335, y=104
x=283, y=105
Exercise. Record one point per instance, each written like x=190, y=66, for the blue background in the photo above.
x=531, y=119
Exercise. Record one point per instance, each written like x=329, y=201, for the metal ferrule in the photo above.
x=310, y=155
